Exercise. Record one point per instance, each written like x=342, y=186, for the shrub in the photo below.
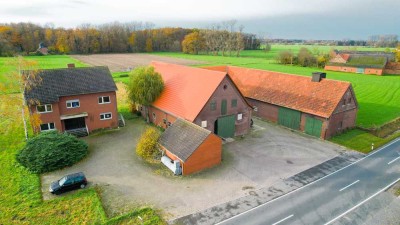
x=51, y=151
x=285, y=57
x=147, y=145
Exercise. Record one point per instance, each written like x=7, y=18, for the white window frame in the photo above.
x=104, y=117
x=45, y=108
x=71, y=101
x=102, y=100
x=48, y=125
x=204, y=123
x=239, y=116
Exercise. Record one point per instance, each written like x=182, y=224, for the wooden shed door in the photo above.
x=289, y=118
x=313, y=127
x=226, y=126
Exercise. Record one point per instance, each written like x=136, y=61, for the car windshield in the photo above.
x=62, y=181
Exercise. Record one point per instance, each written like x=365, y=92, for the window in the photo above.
x=225, y=87
x=104, y=99
x=255, y=108
x=73, y=103
x=344, y=102
x=47, y=126
x=44, y=108
x=105, y=116
x=234, y=103
x=239, y=116
x=213, y=105
x=204, y=123
x=340, y=125
x=154, y=117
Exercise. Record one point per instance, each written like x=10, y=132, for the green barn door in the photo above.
x=289, y=118
x=226, y=126
x=313, y=127
x=224, y=107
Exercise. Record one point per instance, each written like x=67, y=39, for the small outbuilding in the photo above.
x=190, y=147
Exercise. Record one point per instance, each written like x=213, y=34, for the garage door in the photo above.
x=226, y=126
x=313, y=127
x=289, y=118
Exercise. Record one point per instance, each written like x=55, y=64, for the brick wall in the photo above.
x=89, y=104
x=228, y=91
x=374, y=71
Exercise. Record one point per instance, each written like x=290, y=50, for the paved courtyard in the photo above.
x=264, y=157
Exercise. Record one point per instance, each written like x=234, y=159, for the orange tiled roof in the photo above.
x=187, y=89
x=345, y=56
x=291, y=91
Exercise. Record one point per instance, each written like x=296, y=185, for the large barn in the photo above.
x=377, y=63
x=204, y=97
x=316, y=106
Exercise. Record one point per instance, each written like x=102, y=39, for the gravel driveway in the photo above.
x=267, y=155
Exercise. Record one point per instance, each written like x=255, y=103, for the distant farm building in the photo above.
x=316, y=106
x=204, y=97
x=189, y=148
x=377, y=63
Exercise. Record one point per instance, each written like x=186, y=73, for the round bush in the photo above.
x=51, y=151
x=147, y=145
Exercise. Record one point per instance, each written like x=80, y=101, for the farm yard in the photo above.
x=378, y=97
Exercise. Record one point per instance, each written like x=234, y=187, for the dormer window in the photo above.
x=73, y=104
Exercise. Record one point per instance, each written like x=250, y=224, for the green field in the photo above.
x=20, y=190
x=378, y=96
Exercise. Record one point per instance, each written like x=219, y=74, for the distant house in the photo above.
x=42, y=49
x=207, y=98
x=377, y=63
x=190, y=147
x=75, y=100
x=316, y=106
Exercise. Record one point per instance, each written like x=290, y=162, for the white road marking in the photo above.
x=355, y=182
x=280, y=221
x=298, y=189
x=356, y=206
x=393, y=160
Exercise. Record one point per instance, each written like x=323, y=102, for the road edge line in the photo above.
x=298, y=189
x=364, y=201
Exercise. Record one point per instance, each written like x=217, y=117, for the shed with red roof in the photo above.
x=318, y=106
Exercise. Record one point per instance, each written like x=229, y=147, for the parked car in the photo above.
x=68, y=183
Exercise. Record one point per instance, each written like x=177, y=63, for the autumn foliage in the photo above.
x=193, y=43
x=147, y=146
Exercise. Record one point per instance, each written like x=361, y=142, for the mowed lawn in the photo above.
x=20, y=192
x=378, y=96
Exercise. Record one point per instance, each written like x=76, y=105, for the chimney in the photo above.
x=71, y=65
x=317, y=76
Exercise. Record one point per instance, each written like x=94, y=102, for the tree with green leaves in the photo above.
x=145, y=86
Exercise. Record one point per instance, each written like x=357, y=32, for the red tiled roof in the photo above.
x=187, y=89
x=291, y=91
x=345, y=56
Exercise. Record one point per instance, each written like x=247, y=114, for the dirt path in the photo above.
x=125, y=62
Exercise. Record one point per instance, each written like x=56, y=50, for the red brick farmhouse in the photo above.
x=75, y=100
x=204, y=97
x=189, y=148
x=317, y=106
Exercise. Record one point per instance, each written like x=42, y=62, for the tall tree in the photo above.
x=145, y=86
x=193, y=43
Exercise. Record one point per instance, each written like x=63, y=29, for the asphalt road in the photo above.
x=333, y=196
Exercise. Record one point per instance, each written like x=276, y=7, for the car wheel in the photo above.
x=83, y=186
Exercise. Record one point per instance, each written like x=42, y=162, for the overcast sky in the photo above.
x=309, y=19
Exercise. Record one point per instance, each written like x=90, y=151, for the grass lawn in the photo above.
x=378, y=96
x=20, y=194
x=361, y=140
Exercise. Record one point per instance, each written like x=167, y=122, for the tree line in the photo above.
x=304, y=57
x=24, y=38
